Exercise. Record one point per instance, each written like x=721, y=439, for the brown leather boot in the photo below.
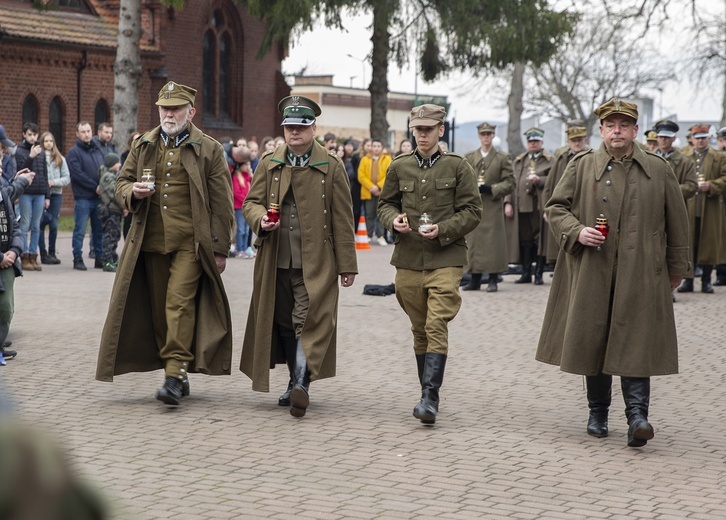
x=34, y=262
x=25, y=262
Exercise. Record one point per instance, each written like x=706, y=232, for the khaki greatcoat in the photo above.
x=127, y=341
x=611, y=310
x=549, y=244
x=325, y=209
x=488, y=242
x=712, y=239
x=522, y=201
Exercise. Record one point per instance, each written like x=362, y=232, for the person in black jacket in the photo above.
x=84, y=160
x=11, y=247
x=37, y=197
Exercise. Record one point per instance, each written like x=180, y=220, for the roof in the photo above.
x=55, y=25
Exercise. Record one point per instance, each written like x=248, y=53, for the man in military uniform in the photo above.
x=682, y=166
x=168, y=307
x=721, y=268
x=602, y=281
x=706, y=209
x=488, y=242
x=651, y=140
x=523, y=207
x=302, y=250
x=576, y=143
x=431, y=201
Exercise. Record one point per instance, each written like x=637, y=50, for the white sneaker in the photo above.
x=382, y=241
x=251, y=253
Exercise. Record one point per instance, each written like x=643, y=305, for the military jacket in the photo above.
x=526, y=199
x=443, y=186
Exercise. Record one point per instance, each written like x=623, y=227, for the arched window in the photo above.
x=55, y=121
x=30, y=109
x=208, y=72
x=222, y=65
x=225, y=47
x=102, y=113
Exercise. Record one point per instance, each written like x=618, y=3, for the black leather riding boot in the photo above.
x=289, y=347
x=475, y=282
x=299, y=395
x=686, y=286
x=636, y=394
x=526, y=255
x=706, y=279
x=492, y=286
x=599, y=396
x=433, y=376
x=538, y=270
x=420, y=360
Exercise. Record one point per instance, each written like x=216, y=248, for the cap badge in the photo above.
x=616, y=102
x=421, y=113
x=167, y=94
x=171, y=86
x=295, y=100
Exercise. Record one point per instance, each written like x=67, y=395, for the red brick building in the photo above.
x=57, y=66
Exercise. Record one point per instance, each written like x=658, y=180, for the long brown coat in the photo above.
x=325, y=209
x=548, y=243
x=488, y=242
x=712, y=239
x=127, y=341
x=611, y=310
x=543, y=163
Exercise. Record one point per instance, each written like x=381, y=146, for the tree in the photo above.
x=598, y=61
x=462, y=34
x=127, y=69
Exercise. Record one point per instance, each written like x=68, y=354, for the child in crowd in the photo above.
x=109, y=211
x=241, y=179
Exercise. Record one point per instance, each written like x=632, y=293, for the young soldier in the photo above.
x=429, y=256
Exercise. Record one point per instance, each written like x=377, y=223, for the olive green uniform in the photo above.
x=428, y=271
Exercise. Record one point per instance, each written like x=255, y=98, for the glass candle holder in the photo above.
x=601, y=224
x=273, y=214
x=148, y=178
x=424, y=222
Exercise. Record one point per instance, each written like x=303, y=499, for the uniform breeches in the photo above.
x=431, y=300
x=291, y=302
x=528, y=228
x=173, y=280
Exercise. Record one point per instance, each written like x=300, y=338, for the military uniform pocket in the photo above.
x=445, y=191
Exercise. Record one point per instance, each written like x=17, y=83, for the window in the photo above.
x=222, y=57
x=101, y=114
x=30, y=109
x=55, y=121
x=210, y=54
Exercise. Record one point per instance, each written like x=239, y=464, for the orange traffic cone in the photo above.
x=361, y=235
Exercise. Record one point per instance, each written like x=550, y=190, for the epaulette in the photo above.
x=407, y=154
x=520, y=157
x=454, y=154
x=268, y=152
x=546, y=155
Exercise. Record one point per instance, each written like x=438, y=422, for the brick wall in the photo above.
x=49, y=70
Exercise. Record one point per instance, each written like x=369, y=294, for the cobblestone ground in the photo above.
x=510, y=440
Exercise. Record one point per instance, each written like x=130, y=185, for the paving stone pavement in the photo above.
x=510, y=440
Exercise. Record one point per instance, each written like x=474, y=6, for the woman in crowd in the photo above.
x=58, y=176
x=405, y=147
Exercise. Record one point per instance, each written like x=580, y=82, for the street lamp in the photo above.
x=363, y=67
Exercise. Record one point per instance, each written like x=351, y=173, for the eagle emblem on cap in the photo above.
x=421, y=113
x=616, y=102
x=171, y=86
x=295, y=100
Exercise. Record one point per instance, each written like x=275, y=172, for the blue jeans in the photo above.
x=84, y=209
x=31, y=209
x=55, y=206
x=243, y=230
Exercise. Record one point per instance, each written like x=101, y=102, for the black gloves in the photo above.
x=485, y=188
